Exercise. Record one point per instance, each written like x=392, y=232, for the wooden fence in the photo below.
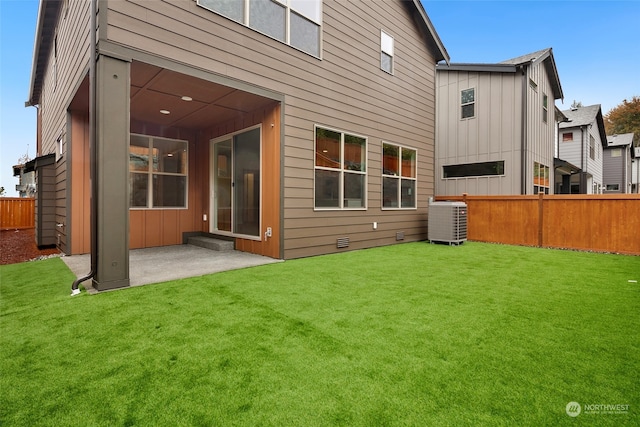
x=601, y=223
x=16, y=212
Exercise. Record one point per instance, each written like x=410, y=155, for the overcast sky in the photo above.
x=596, y=46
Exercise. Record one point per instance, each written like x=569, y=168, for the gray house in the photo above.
x=616, y=166
x=496, y=126
x=293, y=128
x=581, y=140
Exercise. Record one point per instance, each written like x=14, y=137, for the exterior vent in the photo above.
x=343, y=242
x=400, y=235
x=448, y=222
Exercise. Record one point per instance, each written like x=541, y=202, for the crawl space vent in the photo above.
x=400, y=235
x=343, y=242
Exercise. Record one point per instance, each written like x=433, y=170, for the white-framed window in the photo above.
x=545, y=107
x=340, y=170
x=567, y=137
x=468, y=103
x=386, y=52
x=60, y=147
x=613, y=187
x=616, y=152
x=399, y=179
x=158, y=172
x=541, y=180
x=297, y=23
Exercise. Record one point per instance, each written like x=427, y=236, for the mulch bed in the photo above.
x=20, y=245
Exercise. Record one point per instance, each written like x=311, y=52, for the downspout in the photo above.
x=93, y=153
x=523, y=137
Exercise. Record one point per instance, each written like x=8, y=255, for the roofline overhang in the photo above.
x=443, y=54
x=47, y=13
x=483, y=68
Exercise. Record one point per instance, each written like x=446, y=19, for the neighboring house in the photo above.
x=581, y=140
x=635, y=171
x=616, y=165
x=292, y=127
x=496, y=126
x=26, y=186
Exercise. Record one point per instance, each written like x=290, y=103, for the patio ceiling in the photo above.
x=168, y=98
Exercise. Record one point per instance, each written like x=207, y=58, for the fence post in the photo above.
x=540, y=217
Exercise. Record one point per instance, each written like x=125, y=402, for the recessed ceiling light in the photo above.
x=187, y=98
x=165, y=111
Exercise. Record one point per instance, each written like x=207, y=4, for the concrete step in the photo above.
x=211, y=243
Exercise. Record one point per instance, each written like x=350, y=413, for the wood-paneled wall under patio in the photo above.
x=601, y=223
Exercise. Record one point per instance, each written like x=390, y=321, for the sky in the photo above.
x=594, y=46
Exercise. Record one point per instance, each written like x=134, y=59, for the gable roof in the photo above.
x=511, y=65
x=49, y=10
x=584, y=116
x=620, y=140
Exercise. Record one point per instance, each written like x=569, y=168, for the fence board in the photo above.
x=16, y=212
x=602, y=223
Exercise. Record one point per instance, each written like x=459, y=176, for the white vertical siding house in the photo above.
x=635, y=170
x=581, y=141
x=616, y=166
x=496, y=126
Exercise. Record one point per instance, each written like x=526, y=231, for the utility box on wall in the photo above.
x=448, y=222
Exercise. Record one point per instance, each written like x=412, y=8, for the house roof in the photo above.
x=620, y=140
x=49, y=11
x=584, y=116
x=511, y=65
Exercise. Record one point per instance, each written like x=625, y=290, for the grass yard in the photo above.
x=412, y=335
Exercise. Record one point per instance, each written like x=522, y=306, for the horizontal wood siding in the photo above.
x=602, y=223
x=16, y=212
x=344, y=90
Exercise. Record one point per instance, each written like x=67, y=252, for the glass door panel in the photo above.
x=223, y=185
x=246, y=190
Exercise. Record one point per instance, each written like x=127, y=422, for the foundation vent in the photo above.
x=343, y=242
x=400, y=235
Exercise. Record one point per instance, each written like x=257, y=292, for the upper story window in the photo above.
x=386, y=52
x=533, y=85
x=467, y=103
x=473, y=169
x=398, y=176
x=616, y=152
x=567, y=137
x=157, y=172
x=592, y=147
x=295, y=22
x=340, y=170
x=545, y=107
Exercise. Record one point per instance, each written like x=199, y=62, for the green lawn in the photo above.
x=413, y=335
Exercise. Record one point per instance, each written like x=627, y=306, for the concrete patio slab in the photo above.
x=161, y=264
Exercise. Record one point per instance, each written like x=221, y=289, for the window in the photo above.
x=545, y=107
x=294, y=22
x=613, y=187
x=157, y=172
x=398, y=176
x=540, y=178
x=567, y=137
x=60, y=147
x=386, y=52
x=616, y=152
x=473, y=169
x=592, y=147
x=467, y=102
x=533, y=85
x=340, y=170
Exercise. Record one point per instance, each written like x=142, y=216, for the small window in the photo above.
x=340, y=170
x=398, y=177
x=533, y=85
x=386, y=52
x=541, y=181
x=567, y=137
x=613, y=187
x=616, y=152
x=467, y=102
x=545, y=107
x=592, y=147
x=473, y=169
x=60, y=147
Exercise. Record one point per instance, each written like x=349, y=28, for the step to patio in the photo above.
x=211, y=243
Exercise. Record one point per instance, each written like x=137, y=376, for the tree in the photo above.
x=576, y=104
x=1, y=191
x=625, y=118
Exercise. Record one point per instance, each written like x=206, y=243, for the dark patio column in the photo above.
x=112, y=149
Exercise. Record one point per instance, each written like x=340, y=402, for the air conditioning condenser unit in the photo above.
x=447, y=222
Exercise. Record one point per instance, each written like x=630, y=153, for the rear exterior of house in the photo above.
x=616, y=165
x=581, y=141
x=496, y=126
x=293, y=128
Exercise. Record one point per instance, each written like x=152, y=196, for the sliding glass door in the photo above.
x=235, y=202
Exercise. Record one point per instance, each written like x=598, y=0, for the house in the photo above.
x=616, y=164
x=496, y=126
x=581, y=142
x=635, y=171
x=293, y=128
x=26, y=186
